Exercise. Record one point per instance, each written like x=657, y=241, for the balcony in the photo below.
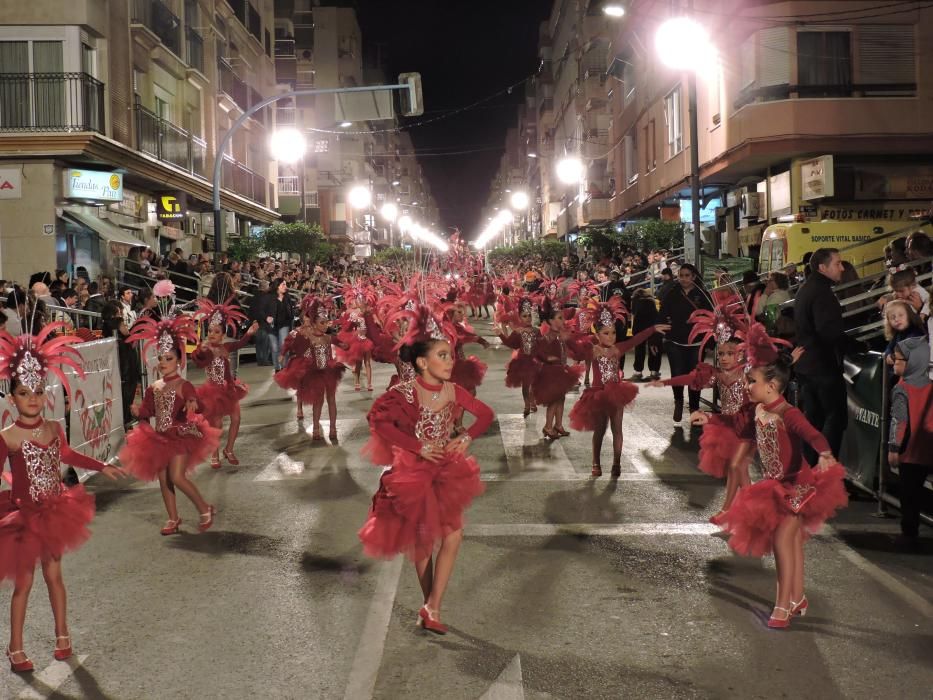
x=232, y=86
x=156, y=16
x=596, y=211
x=288, y=184
x=194, y=50
x=240, y=179
x=167, y=142
x=51, y=102
x=784, y=91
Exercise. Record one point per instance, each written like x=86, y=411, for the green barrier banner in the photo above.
x=861, y=444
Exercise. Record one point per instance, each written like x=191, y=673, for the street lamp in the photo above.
x=360, y=197
x=683, y=44
x=570, y=170
x=613, y=10
x=405, y=223
x=389, y=212
x=519, y=201
x=287, y=145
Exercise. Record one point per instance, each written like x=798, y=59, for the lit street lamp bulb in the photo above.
x=504, y=217
x=346, y=125
x=613, y=10
x=570, y=170
x=287, y=145
x=389, y=211
x=405, y=223
x=360, y=197
x=519, y=200
x=683, y=44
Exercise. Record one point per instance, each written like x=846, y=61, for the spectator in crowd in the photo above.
x=14, y=311
x=146, y=305
x=41, y=291
x=903, y=284
x=125, y=298
x=278, y=316
x=113, y=324
x=645, y=315
x=775, y=293
x=105, y=287
x=62, y=276
x=667, y=282
x=258, y=311
x=752, y=289
x=821, y=333
x=95, y=303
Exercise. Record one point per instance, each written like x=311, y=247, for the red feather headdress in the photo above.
x=586, y=286
x=165, y=335
x=316, y=309
x=760, y=348
x=607, y=313
x=727, y=321
x=423, y=324
x=28, y=359
x=225, y=315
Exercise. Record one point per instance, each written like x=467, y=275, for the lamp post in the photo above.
x=683, y=44
x=288, y=146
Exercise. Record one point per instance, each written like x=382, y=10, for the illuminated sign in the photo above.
x=171, y=206
x=93, y=184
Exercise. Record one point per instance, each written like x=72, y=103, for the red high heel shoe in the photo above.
x=778, y=622
x=429, y=622
x=550, y=434
x=19, y=666
x=231, y=457
x=718, y=518
x=206, y=524
x=332, y=434
x=171, y=527
x=800, y=607
x=561, y=432
x=61, y=654
x=596, y=471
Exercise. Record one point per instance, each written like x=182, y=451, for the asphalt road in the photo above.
x=566, y=587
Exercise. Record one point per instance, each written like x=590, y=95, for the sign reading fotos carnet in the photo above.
x=96, y=185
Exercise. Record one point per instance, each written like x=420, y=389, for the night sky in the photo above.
x=465, y=51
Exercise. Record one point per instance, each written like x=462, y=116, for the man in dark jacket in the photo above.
x=821, y=333
x=261, y=306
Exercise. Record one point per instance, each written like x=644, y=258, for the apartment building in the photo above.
x=814, y=109
x=110, y=117
x=322, y=47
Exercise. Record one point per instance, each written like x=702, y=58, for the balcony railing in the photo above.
x=231, y=85
x=240, y=179
x=167, y=142
x=156, y=16
x=288, y=184
x=785, y=91
x=51, y=102
x=194, y=49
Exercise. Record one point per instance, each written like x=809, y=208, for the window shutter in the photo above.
x=886, y=54
x=774, y=56
x=747, y=61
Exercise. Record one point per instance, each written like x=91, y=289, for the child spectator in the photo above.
x=903, y=284
x=910, y=442
x=900, y=322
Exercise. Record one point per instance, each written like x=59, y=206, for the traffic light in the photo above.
x=412, y=101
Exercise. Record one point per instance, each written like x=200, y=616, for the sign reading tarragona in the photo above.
x=106, y=186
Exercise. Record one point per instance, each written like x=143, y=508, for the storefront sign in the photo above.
x=864, y=212
x=94, y=184
x=171, y=206
x=816, y=178
x=11, y=184
x=780, y=194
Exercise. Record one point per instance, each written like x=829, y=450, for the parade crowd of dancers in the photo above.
x=419, y=434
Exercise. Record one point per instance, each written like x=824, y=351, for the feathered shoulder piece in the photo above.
x=28, y=358
x=727, y=321
x=585, y=288
x=359, y=293
x=315, y=308
x=423, y=323
x=759, y=348
x=225, y=315
x=173, y=333
x=607, y=313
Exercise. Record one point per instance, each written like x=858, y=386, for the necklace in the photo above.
x=435, y=389
x=35, y=427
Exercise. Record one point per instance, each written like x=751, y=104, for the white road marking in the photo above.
x=528, y=459
x=882, y=577
x=362, y=682
x=573, y=529
x=509, y=685
x=51, y=678
x=647, y=441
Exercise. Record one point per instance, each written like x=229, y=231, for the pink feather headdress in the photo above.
x=316, y=309
x=225, y=315
x=607, y=313
x=28, y=359
x=423, y=323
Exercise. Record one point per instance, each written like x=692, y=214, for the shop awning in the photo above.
x=105, y=229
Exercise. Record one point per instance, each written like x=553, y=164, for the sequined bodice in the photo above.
x=164, y=408
x=216, y=370
x=458, y=353
x=608, y=367
x=42, y=469
x=321, y=354
x=769, y=448
x=435, y=426
x=732, y=397
x=529, y=340
x=360, y=322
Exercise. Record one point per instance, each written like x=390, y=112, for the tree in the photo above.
x=245, y=248
x=548, y=249
x=294, y=239
x=392, y=256
x=653, y=234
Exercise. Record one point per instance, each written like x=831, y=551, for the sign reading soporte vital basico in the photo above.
x=100, y=185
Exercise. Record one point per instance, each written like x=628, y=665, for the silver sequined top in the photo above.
x=321, y=354
x=215, y=371
x=164, y=406
x=769, y=449
x=732, y=397
x=42, y=468
x=434, y=426
x=529, y=338
x=608, y=367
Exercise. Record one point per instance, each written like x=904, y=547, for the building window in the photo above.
x=321, y=146
x=824, y=64
x=673, y=106
x=631, y=158
x=649, y=146
x=628, y=84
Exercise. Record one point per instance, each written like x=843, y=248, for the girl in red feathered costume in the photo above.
x=468, y=371
x=792, y=501
x=722, y=452
x=602, y=405
x=555, y=377
x=40, y=519
x=182, y=438
x=312, y=372
x=422, y=496
x=221, y=393
x=522, y=369
x=580, y=344
x=356, y=328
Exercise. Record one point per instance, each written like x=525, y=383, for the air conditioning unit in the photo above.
x=193, y=225
x=230, y=227
x=753, y=205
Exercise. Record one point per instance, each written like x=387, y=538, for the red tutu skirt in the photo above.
x=418, y=504
x=596, y=403
x=219, y=400
x=717, y=447
x=302, y=376
x=384, y=350
x=554, y=381
x=521, y=369
x=468, y=373
x=489, y=299
x=147, y=453
x=759, y=509
x=357, y=348
x=580, y=347
x=36, y=532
